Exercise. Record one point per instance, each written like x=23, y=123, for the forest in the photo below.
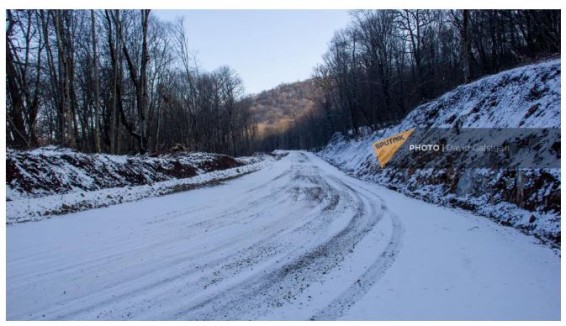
x=117, y=81
x=386, y=62
x=124, y=82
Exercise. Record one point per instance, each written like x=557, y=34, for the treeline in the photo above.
x=122, y=81
x=117, y=81
x=388, y=61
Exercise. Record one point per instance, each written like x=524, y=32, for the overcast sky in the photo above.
x=266, y=47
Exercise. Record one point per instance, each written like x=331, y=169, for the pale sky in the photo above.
x=265, y=47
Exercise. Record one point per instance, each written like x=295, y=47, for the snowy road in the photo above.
x=296, y=240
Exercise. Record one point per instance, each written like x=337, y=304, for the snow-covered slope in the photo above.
x=526, y=97
x=529, y=199
x=53, y=170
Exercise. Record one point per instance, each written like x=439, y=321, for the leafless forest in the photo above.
x=123, y=81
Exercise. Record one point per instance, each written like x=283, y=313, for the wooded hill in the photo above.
x=275, y=110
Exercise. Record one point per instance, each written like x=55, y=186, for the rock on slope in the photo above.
x=528, y=199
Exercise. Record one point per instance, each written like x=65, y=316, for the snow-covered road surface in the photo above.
x=296, y=240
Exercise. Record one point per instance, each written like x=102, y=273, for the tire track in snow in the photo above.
x=355, y=292
x=262, y=260
x=267, y=293
x=147, y=287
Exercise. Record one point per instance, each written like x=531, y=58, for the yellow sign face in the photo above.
x=385, y=148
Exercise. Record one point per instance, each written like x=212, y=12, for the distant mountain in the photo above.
x=274, y=110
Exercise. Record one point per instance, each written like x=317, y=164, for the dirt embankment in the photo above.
x=52, y=170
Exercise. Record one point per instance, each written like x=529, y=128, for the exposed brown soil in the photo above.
x=53, y=170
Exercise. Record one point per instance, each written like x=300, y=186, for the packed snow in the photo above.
x=296, y=240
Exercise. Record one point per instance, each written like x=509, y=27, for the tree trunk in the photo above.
x=466, y=48
x=96, y=87
x=66, y=112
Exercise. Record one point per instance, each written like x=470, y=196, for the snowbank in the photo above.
x=53, y=181
x=52, y=170
x=35, y=209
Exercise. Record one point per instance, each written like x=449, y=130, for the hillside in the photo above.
x=274, y=109
x=528, y=199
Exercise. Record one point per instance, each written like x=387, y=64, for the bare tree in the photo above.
x=24, y=49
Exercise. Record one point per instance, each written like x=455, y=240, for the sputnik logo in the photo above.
x=385, y=148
